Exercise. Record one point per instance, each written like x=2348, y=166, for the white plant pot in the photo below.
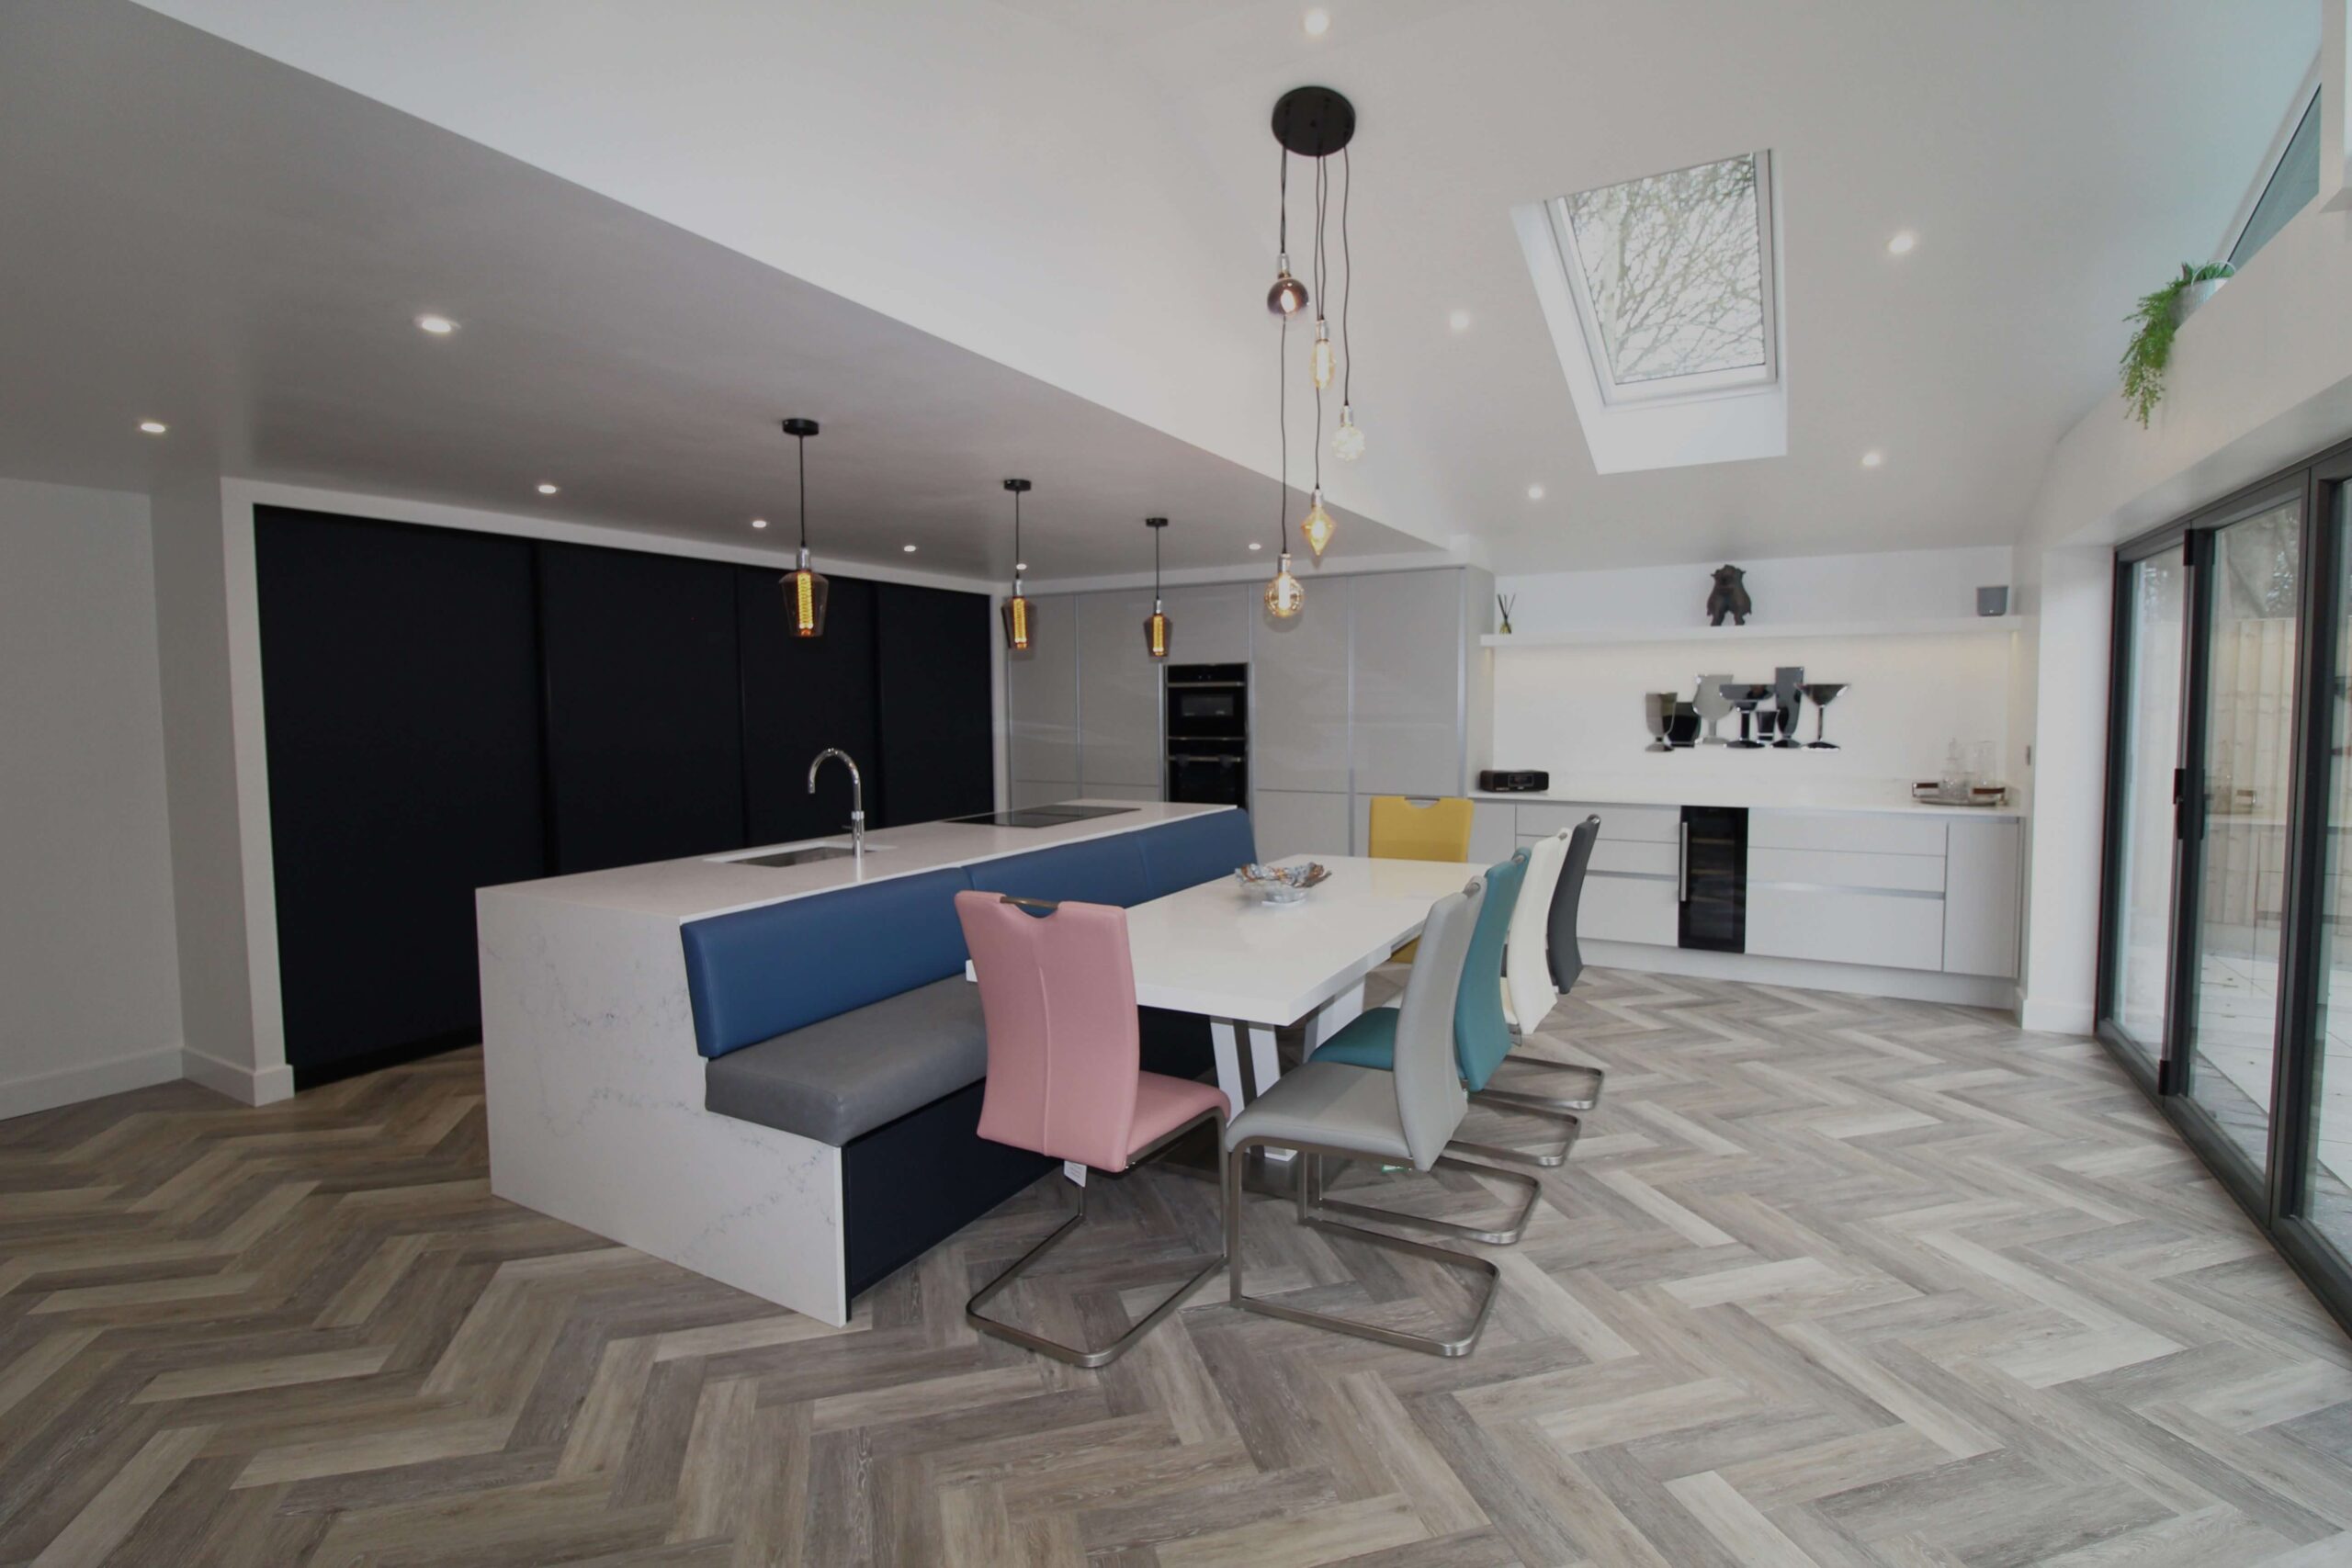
x=2189, y=300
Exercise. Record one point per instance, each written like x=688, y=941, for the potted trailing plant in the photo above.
x=2157, y=317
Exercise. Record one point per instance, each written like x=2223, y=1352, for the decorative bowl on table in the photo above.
x=1280, y=883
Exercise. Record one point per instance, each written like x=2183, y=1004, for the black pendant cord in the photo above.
x=1347, y=280
x=1322, y=200
x=802, y=442
x=1282, y=219
x=1155, y=569
x=1017, y=544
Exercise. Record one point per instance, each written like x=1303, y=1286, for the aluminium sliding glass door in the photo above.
x=2251, y=592
x=2225, y=953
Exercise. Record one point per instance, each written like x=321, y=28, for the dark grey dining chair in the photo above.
x=1405, y=1114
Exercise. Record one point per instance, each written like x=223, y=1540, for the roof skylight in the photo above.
x=1672, y=276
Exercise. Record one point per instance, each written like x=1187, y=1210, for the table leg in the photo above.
x=1225, y=1049
x=1264, y=1068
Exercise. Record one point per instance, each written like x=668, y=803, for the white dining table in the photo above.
x=1250, y=968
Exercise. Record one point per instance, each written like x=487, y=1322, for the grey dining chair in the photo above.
x=1405, y=1114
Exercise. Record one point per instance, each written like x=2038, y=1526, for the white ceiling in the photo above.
x=1082, y=190
x=200, y=235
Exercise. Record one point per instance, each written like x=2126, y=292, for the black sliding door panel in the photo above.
x=401, y=690
x=645, y=738
x=933, y=654
x=800, y=695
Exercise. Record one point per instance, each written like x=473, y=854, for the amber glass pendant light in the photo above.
x=1016, y=609
x=1155, y=625
x=804, y=591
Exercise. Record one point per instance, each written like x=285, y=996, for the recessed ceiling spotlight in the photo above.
x=1459, y=320
x=1256, y=544
x=1901, y=244
x=1873, y=458
x=1318, y=22
x=153, y=426
x=546, y=490
x=909, y=548
x=439, y=326
x=758, y=521
x=1534, y=493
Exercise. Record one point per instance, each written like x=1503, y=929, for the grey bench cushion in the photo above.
x=856, y=1070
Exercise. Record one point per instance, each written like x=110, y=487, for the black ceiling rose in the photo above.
x=1314, y=122
x=803, y=428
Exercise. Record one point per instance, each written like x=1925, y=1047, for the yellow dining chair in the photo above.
x=1419, y=830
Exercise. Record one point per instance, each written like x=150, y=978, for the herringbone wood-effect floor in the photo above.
x=1827, y=1281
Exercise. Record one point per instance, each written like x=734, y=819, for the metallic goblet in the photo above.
x=1747, y=699
x=1712, y=705
x=1821, y=693
x=1658, y=708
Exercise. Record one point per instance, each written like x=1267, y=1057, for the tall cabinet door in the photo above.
x=645, y=737
x=1211, y=622
x=801, y=696
x=1118, y=695
x=932, y=672
x=1408, y=671
x=400, y=694
x=1041, y=691
x=1298, y=730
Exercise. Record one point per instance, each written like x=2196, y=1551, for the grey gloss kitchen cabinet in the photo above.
x=1118, y=696
x=1407, y=680
x=1298, y=674
x=1041, y=699
x=1210, y=622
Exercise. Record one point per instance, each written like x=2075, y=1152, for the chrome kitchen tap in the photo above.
x=856, y=793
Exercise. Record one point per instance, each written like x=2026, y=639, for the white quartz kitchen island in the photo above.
x=594, y=1084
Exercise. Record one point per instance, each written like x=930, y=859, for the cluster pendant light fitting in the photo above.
x=1016, y=608
x=803, y=590
x=1286, y=596
x=1315, y=122
x=1155, y=625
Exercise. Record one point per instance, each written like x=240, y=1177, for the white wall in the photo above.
x=89, y=969
x=1577, y=711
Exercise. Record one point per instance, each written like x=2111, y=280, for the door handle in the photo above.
x=1683, y=869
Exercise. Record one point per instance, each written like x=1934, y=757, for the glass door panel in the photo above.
x=2327, y=1190
x=2252, y=594
x=2156, y=612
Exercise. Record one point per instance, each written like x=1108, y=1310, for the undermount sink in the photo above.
x=806, y=854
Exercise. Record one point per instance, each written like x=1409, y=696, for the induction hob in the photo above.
x=1041, y=816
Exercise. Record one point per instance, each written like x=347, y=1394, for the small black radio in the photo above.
x=1500, y=781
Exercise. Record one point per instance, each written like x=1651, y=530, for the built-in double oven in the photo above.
x=1208, y=734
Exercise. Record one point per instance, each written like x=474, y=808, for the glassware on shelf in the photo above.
x=1788, y=697
x=1713, y=706
x=1658, y=708
x=1821, y=693
x=1747, y=699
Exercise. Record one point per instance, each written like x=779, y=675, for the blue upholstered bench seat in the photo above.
x=833, y=1015
x=847, y=1075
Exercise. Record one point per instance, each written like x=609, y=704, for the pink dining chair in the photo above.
x=1058, y=989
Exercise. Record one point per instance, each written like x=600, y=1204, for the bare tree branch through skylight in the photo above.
x=1674, y=268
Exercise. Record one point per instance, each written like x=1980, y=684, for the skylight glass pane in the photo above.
x=2292, y=185
x=1673, y=265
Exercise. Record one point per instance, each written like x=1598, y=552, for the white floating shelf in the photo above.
x=1587, y=636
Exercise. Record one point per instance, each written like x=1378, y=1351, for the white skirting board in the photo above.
x=1856, y=980
x=247, y=1086
x=88, y=1080
x=595, y=1105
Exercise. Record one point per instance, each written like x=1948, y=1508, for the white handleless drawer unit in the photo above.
x=1889, y=930
x=1981, y=899
x=1852, y=831
x=1494, y=834
x=1630, y=909
x=1658, y=824
x=1837, y=868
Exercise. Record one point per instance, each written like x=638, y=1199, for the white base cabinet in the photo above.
x=1879, y=893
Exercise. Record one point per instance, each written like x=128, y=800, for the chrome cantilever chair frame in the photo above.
x=1310, y=1215
x=1314, y=1178
x=1071, y=1354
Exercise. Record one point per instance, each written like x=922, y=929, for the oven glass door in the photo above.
x=1204, y=780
